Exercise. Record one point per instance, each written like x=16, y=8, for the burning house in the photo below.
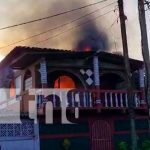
x=96, y=98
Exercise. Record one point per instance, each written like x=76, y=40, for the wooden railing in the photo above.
x=89, y=98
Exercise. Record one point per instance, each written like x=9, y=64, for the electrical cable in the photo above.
x=52, y=16
x=37, y=43
x=51, y=29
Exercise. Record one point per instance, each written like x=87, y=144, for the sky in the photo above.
x=103, y=31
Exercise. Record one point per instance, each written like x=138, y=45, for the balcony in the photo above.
x=89, y=99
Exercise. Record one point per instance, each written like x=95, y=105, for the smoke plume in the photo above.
x=90, y=35
x=98, y=34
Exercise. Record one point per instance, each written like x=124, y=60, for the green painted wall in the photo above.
x=83, y=143
x=126, y=138
x=124, y=125
x=56, y=144
x=77, y=143
x=63, y=128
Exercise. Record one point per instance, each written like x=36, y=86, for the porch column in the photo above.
x=43, y=72
x=141, y=83
x=97, y=81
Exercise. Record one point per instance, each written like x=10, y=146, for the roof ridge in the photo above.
x=28, y=47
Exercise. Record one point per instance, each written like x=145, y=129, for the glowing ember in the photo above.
x=87, y=49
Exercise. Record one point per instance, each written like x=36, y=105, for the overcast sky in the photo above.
x=107, y=26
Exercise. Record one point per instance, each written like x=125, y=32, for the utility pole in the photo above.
x=145, y=50
x=128, y=74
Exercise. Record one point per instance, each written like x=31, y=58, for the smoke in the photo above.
x=97, y=34
x=90, y=38
x=91, y=34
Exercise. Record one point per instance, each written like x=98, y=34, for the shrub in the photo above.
x=123, y=146
x=146, y=145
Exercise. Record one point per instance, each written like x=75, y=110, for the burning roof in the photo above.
x=20, y=57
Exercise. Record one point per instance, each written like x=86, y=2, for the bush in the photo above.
x=123, y=146
x=66, y=144
x=146, y=145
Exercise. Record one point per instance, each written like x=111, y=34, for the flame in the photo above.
x=87, y=49
x=12, y=92
x=64, y=82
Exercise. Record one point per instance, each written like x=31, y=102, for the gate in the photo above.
x=101, y=135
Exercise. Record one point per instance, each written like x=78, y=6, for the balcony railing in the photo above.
x=90, y=98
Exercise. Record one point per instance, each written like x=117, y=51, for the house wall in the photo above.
x=53, y=135
x=24, y=103
x=27, y=144
x=19, y=136
x=81, y=135
x=121, y=131
x=54, y=65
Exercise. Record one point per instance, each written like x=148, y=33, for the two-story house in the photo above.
x=92, y=87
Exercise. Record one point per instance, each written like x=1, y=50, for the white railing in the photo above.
x=87, y=98
x=72, y=98
x=119, y=99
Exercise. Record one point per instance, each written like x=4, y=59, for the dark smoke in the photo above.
x=29, y=10
x=92, y=38
x=86, y=35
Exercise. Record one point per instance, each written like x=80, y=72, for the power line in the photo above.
x=52, y=16
x=46, y=31
x=114, y=39
x=72, y=28
x=111, y=25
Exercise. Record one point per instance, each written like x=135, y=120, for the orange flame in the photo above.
x=64, y=82
x=87, y=49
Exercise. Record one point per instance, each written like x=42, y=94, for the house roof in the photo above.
x=20, y=57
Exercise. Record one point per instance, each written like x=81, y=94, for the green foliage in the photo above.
x=123, y=146
x=66, y=144
x=146, y=145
